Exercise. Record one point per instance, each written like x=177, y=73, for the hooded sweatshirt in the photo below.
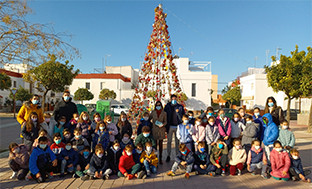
x=271, y=131
x=126, y=162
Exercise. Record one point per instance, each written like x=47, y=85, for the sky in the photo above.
x=233, y=35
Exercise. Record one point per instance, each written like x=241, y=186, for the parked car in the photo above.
x=118, y=108
x=293, y=114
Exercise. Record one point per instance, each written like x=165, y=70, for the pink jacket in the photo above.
x=222, y=132
x=280, y=162
x=198, y=133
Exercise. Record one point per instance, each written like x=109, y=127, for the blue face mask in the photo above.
x=35, y=101
x=58, y=141
x=62, y=122
x=202, y=149
x=146, y=134
x=42, y=146
x=220, y=146
x=271, y=104
x=210, y=114
x=173, y=102
x=66, y=98
x=85, y=153
x=205, y=120
x=184, y=152
x=158, y=107
x=257, y=114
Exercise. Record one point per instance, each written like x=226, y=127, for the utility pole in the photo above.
x=267, y=56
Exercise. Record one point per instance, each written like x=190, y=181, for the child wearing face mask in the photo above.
x=280, y=162
x=59, y=127
x=207, y=113
x=42, y=133
x=212, y=134
x=98, y=168
x=258, y=119
x=96, y=120
x=219, y=156
x=84, y=123
x=73, y=122
x=30, y=130
x=83, y=162
x=69, y=161
x=67, y=136
x=100, y=136
x=78, y=141
x=149, y=159
x=123, y=126
x=237, y=157
x=144, y=137
x=225, y=127
x=111, y=128
x=286, y=137
x=185, y=159
x=296, y=171
x=57, y=147
x=18, y=160
x=126, y=140
x=198, y=132
x=257, y=159
x=137, y=152
x=113, y=156
x=145, y=121
x=237, y=126
x=250, y=133
x=202, y=164
x=48, y=125
x=127, y=167
x=184, y=132
x=191, y=117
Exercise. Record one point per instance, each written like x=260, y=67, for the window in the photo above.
x=14, y=84
x=88, y=85
x=252, y=86
x=193, y=89
x=102, y=85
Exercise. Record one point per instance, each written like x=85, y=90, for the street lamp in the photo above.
x=14, y=90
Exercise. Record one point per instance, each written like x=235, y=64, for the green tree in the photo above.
x=21, y=94
x=106, y=94
x=233, y=96
x=51, y=76
x=25, y=42
x=289, y=76
x=83, y=94
x=5, y=82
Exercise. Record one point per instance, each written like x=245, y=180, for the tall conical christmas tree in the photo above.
x=158, y=75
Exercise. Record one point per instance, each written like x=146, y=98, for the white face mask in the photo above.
x=149, y=148
x=16, y=151
x=211, y=123
x=236, y=119
x=85, y=118
x=295, y=157
x=249, y=122
x=145, y=118
x=123, y=119
x=101, y=128
x=257, y=147
x=197, y=122
x=109, y=122
x=47, y=120
x=68, y=147
x=100, y=155
x=76, y=118
x=238, y=147
x=129, y=153
x=285, y=127
x=279, y=149
x=116, y=148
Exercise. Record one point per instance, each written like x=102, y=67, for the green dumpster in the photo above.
x=81, y=108
x=103, y=108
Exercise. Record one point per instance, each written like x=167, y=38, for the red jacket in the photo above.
x=126, y=162
x=57, y=149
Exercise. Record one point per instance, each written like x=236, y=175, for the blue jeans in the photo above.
x=175, y=166
x=149, y=167
x=210, y=168
x=64, y=167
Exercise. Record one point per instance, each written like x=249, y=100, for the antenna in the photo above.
x=277, y=52
x=267, y=57
x=256, y=58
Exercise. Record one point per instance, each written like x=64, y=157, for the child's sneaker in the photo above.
x=196, y=173
x=14, y=175
x=39, y=180
x=212, y=174
x=187, y=175
x=264, y=176
x=50, y=175
x=170, y=173
x=148, y=173
x=86, y=177
x=239, y=172
x=28, y=177
x=141, y=174
x=223, y=173
x=105, y=177
x=293, y=178
x=79, y=173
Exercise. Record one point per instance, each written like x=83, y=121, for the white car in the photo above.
x=118, y=108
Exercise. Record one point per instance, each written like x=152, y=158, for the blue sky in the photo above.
x=228, y=33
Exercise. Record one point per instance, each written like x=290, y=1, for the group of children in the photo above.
x=208, y=145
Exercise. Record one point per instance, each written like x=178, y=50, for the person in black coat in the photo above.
x=65, y=107
x=276, y=111
x=113, y=155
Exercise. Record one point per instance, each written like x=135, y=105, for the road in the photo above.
x=9, y=132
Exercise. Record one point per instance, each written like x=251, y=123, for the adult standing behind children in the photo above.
x=276, y=111
x=65, y=107
x=159, y=120
x=174, y=112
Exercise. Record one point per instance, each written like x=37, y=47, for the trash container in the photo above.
x=103, y=108
x=81, y=108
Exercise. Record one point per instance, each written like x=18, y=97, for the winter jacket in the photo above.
x=159, y=132
x=256, y=156
x=29, y=137
x=85, y=129
x=57, y=149
x=237, y=129
x=250, y=133
x=184, y=135
x=217, y=152
x=286, y=137
x=125, y=163
x=113, y=128
x=261, y=126
x=136, y=156
x=123, y=144
x=280, y=162
x=49, y=127
x=277, y=114
x=170, y=110
x=98, y=164
x=122, y=129
x=66, y=109
x=237, y=156
x=152, y=156
x=224, y=129
x=100, y=138
x=72, y=155
x=113, y=157
x=212, y=133
x=142, y=139
x=21, y=158
x=142, y=124
x=59, y=129
x=39, y=158
x=25, y=111
x=188, y=157
x=198, y=133
x=201, y=158
x=271, y=131
x=84, y=161
x=79, y=144
x=36, y=142
x=297, y=165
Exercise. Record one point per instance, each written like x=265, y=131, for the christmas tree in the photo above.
x=158, y=75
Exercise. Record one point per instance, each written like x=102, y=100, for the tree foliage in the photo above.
x=83, y=94
x=5, y=82
x=233, y=96
x=25, y=42
x=106, y=94
x=21, y=94
x=51, y=75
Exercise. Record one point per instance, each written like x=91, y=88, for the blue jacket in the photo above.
x=189, y=158
x=72, y=156
x=261, y=126
x=271, y=131
x=142, y=124
x=39, y=158
x=169, y=109
x=297, y=165
x=184, y=135
x=101, y=138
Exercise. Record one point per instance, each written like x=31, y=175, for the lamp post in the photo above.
x=14, y=90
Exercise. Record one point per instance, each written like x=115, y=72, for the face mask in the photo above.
x=222, y=115
x=210, y=114
x=257, y=147
x=85, y=118
x=138, y=151
x=197, y=122
x=236, y=119
x=257, y=114
x=125, y=138
x=242, y=114
x=62, y=122
x=146, y=134
x=205, y=120
x=35, y=101
x=33, y=119
x=295, y=157
x=100, y=155
x=47, y=120
x=67, y=147
x=42, y=146
x=184, y=152
x=248, y=121
x=123, y=119
x=101, y=128
x=190, y=117
x=211, y=123
x=85, y=153
x=76, y=118
x=173, y=102
x=16, y=151
x=57, y=141
x=109, y=122
x=67, y=136
x=149, y=148
x=78, y=136
x=202, y=149
x=285, y=126
x=238, y=147
x=185, y=121
x=129, y=153
x=97, y=119
x=158, y=107
x=145, y=118
x=66, y=98
x=271, y=104
x=220, y=146
x=279, y=149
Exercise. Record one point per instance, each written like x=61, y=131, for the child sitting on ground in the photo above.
x=18, y=160
x=219, y=156
x=202, y=164
x=286, y=137
x=67, y=136
x=113, y=156
x=296, y=170
x=280, y=162
x=237, y=157
x=127, y=166
x=184, y=158
x=70, y=159
x=84, y=162
x=257, y=159
x=57, y=147
x=149, y=159
x=78, y=141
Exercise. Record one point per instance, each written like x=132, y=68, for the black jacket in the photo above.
x=169, y=109
x=99, y=164
x=113, y=159
x=66, y=109
x=83, y=162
